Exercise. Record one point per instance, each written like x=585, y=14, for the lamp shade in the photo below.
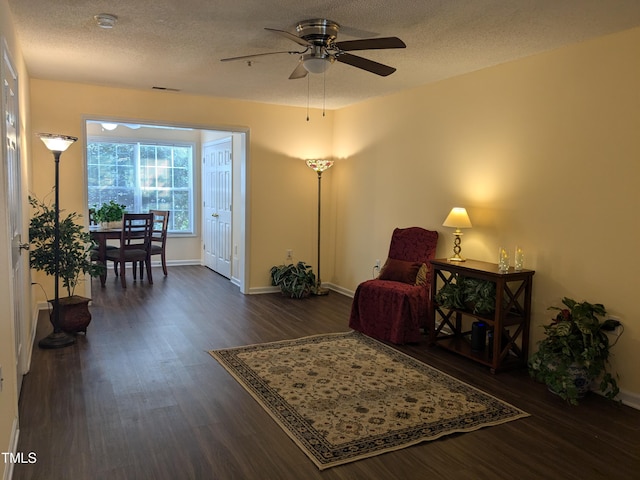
x=55, y=142
x=319, y=165
x=316, y=64
x=457, y=218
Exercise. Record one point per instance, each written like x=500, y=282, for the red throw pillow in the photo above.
x=400, y=271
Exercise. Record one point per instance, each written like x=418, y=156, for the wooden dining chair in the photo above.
x=159, y=236
x=135, y=244
x=158, y=239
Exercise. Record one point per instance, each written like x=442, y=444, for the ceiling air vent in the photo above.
x=166, y=89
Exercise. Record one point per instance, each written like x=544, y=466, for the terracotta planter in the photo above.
x=74, y=313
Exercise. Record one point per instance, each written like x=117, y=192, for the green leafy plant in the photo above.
x=575, y=339
x=466, y=293
x=75, y=245
x=479, y=295
x=110, y=211
x=294, y=280
x=451, y=295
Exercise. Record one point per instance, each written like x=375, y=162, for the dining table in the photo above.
x=101, y=235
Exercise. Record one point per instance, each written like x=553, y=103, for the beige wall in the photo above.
x=8, y=395
x=283, y=190
x=543, y=153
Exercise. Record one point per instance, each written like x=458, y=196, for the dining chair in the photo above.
x=158, y=239
x=92, y=217
x=135, y=244
x=159, y=236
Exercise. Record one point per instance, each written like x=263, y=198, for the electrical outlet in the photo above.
x=616, y=325
x=378, y=264
x=289, y=255
x=1, y=378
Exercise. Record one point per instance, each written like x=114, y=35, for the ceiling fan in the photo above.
x=318, y=37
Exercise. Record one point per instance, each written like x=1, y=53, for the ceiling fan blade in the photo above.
x=365, y=64
x=290, y=36
x=298, y=72
x=247, y=57
x=370, y=44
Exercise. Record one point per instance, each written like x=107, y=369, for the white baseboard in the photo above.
x=330, y=286
x=34, y=326
x=630, y=399
x=341, y=290
x=13, y=448
x=260, y=290
x=170, y=263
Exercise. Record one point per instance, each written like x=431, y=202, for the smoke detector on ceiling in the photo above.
x=105, y=20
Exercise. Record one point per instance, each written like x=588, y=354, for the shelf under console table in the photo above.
x=507, y=327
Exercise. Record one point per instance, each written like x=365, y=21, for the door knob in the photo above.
x=215, y=215
x=23, y=246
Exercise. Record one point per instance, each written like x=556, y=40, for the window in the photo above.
x=143, y=176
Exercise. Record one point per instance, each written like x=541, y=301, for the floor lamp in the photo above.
x=319, y=166
x=58, y=338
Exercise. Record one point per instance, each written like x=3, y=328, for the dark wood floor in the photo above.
x=140, y=398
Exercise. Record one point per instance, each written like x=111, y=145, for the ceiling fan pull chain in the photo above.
x=324, y=92
x=308, y=94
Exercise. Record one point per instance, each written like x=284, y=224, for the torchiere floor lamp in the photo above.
x=58, y=338
x=319, y=166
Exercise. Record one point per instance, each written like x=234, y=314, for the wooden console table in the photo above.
x=509, y=325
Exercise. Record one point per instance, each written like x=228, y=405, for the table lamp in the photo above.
x=457, y=218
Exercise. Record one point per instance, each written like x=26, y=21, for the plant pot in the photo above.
x=74, y=313
x=580, y=377
x=110, y=225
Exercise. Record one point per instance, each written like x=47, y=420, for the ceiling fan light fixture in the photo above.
x=316, y=64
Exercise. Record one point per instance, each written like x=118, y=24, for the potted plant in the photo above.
x=479, y=295
x=109, y=215
x=466, y=293
x=73, y=260
x=451, y=295
x=296, y=281
x=575, y=351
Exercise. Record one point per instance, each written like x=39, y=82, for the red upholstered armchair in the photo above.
x=395, y=305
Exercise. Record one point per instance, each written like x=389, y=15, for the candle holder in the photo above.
x=503, y=260
x=518, y=259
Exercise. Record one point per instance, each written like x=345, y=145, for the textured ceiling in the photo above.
x=178, y=44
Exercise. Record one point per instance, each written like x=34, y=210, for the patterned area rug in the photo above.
x=344, y=397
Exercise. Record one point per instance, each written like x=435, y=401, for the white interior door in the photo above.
x=217, y=197
x=13, y=186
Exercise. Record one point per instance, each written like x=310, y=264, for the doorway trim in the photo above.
x=241, y=139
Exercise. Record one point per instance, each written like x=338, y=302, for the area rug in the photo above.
x=344, y=397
